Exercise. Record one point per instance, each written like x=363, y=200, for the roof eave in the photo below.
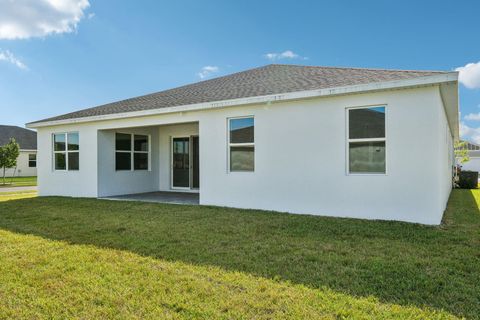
x=449, y=96
x=369, y=87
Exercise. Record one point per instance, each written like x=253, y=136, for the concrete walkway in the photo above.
x=160, y=197
x=13, y=189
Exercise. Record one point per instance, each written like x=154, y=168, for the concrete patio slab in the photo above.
x=160, y=197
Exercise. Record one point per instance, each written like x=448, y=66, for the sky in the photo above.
x=58, y=56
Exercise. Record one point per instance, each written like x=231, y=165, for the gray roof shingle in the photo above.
x=27, y=139
x=266, y=80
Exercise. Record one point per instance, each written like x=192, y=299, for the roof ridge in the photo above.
x=358, y=68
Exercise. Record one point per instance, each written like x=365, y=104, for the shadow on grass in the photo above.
x=61, y=280
x=400, y=263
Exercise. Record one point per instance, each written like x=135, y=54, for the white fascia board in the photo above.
x=376, y=86
x=449, y=96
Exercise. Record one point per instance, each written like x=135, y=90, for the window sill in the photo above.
x=367, y=174
x=235, y=172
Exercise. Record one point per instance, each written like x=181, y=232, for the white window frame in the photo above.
x=249, y=144
x=132, y=151
x=347, y=145
x=66, y=151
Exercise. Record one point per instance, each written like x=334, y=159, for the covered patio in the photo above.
x=156, y=163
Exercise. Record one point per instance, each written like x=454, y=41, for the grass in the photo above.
x=18, y=182
x=47, y=279
x=15, y=195
x=64, y=257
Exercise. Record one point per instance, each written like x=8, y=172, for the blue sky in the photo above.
x=58, y=56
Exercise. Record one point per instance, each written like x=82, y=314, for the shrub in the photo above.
x=468, y=179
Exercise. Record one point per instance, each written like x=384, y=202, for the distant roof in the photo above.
x=27, y=139
x=470, y=146
x=266, y=80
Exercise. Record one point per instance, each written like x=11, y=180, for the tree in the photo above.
x=8, y=156
x=461, y=152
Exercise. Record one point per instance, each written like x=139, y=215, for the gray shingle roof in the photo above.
x=27, y=139
x=270, y=79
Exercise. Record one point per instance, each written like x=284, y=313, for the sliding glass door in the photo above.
x=181, y=163
x=185, y=163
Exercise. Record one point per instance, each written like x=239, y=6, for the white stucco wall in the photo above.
x=22, y=170
x=81, y=183
x=473, y=164
x=445, y=155
x=300, y=158
x=112, y=182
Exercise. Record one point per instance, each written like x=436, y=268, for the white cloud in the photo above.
x=7, y=56
x=470, y=75
x=469, y=133
x=23, y=19
x=288, y=54
x=473, y=116
x=207, y=71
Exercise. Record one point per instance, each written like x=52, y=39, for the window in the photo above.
x=65, y=151
x=123, y=151
x=32, y=160
x=131, y=152
x=241, y=144
x=140, y=152
x=366, y=140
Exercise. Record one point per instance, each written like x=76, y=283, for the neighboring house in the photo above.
x=473, y=164
x=27, y=160
x=341, y=142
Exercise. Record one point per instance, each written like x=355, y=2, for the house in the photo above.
x=27, y=160
x=343, y=142
x=473, y=152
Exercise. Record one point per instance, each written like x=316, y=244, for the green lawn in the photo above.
x=14, y=195
x=63, y=257
x=18, y=182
